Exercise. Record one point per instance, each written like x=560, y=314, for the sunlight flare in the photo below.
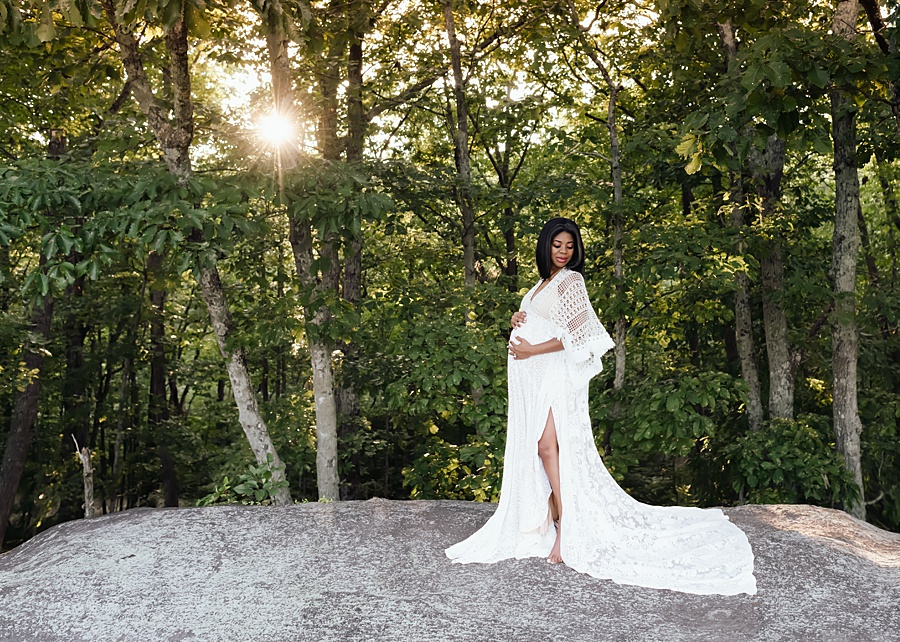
x=276, y=129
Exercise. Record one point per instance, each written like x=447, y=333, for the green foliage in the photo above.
x=672, y=415
x=222, y=494
x=439, y=363
x=334, y=197
x=436, y=472
x=255, y=487
x=791, y=462
x=446, y=471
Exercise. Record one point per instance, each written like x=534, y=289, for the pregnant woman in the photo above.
x=557, y=499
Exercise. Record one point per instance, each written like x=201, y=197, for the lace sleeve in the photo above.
x=583, y=336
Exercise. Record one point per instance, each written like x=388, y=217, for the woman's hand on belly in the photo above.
x=520, y=348
x=518, y=319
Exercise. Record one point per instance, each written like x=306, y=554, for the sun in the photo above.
x=276, y=129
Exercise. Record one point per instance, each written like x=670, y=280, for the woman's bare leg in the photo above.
x=548, y=450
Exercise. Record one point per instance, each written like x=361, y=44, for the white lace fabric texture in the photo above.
x=606, y=533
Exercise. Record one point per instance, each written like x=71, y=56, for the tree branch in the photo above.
x=435, y=74
x=134, y=66
x=873, y=11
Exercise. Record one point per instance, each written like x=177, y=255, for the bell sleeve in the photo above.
x=584, y=338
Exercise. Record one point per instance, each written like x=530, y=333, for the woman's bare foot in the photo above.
x=555, y=555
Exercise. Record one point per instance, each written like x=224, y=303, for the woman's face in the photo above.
x=562, y=248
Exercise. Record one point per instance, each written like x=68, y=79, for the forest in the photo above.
x=267, y=252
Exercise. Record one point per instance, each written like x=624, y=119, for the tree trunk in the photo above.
x=778, y=350
x=618, y=233
x=241, y=384
x=357, y=126
x=7, y=290
x=128, y=496
x=281, y=360
x=845, y=253
x=357, y=123
x=264, y=382
x=74, y=402
x=327, y=477
x=768, y=169
x=75, y=407
x=277, y=43
x=327, y=474
x=320, y=348
x=124, y=410
x=75, y=391
x=24, y=415
x=174, y=136
x=743, y=318
x=347, y=400
x=509, y=238
x=87, y=475
x=98, y=429
x=499, y=157
x=329, y=79
x=462, y=191
x=871, y=265
x=892, y=209
x=158, y=404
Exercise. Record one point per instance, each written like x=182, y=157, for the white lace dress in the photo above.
x=606, y=533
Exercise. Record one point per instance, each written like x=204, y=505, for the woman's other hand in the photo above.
x=521, y=350
x=517, y=320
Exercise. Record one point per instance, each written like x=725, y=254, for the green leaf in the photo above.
x=687, y=146
x=753, y=76
x=694, y=166
x=66, y=241
x=818, y=76
x=673, y=403
x=50, y=250
x=199, y=25
x=47, y=30
x=778, y=73
x=821, y=143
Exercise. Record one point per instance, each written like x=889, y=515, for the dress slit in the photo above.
x=548, y=519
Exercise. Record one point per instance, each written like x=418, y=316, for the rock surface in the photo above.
x=376, y=570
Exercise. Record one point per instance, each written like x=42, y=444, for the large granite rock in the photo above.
x=376, y=570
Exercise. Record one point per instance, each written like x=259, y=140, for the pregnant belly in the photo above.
x=535, y=330
x=541, y=375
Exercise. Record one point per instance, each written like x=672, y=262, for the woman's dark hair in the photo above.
x=552, y=229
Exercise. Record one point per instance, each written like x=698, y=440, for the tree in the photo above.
x=845, y=254
x=459, y=124
x=174, y=136
x=743, y=315
x=616, y=172
x=25, y=411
